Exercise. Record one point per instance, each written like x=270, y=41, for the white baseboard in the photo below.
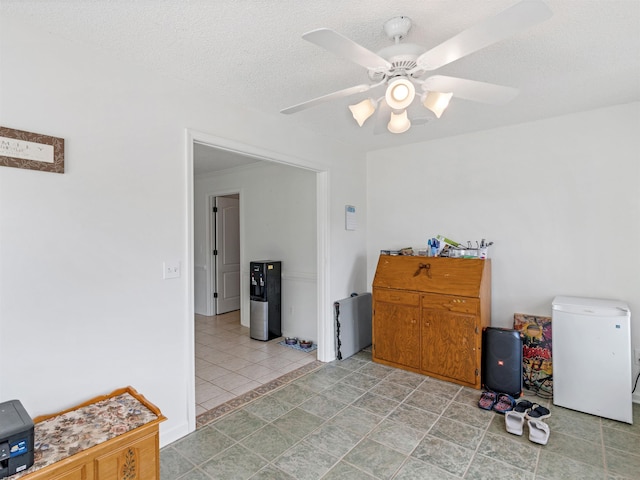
x=173, y=434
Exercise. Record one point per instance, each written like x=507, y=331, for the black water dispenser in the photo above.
x=265, y=315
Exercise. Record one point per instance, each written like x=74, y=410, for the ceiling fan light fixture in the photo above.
x=363, y=110
x=437, y=102
x=400, y=93
x=399, y=122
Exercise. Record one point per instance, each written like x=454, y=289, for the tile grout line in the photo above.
x=364, y=437
x=271, y=463
x=242, y=400
x=409, y=456
x=424, y=435
x=604, y=451
x=475, y=451
x=383, y=419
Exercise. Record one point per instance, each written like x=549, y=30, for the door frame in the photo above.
x=324, y=319
x=210, y=241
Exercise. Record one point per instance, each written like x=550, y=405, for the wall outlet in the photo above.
x=636, y=357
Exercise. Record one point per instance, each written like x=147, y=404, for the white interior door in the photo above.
x=227, y=255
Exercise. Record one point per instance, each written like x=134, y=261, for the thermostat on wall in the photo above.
x=350, y=217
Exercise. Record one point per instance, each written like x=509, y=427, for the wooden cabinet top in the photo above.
x=450, y=276
x=84, y=428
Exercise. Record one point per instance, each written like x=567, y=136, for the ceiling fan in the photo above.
x=402, y=67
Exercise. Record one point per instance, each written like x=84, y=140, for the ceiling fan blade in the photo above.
x=470, y=89
x=491, y=30
x=325, y=98
x=346, y=48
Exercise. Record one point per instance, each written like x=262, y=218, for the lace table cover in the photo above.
x=64, y=435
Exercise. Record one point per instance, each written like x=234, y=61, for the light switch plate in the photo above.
x=171, y=269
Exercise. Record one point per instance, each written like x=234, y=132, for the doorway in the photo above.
x=226, y=147
x=225, y=253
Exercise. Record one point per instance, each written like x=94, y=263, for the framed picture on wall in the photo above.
x=32, y=151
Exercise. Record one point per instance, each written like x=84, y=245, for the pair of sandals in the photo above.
x=533, y=414
x=499, y=402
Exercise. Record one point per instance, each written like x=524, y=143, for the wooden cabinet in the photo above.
x=428, y=315
x=397, y=322
x=130, y=453
x=137, y=459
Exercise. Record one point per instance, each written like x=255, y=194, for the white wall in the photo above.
x=83, y=307
x=559, y=198
x=278, y=222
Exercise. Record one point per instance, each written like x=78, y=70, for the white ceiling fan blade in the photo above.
x=325, y=98
x=470, y=89
x=346, y=48
x=510, y=22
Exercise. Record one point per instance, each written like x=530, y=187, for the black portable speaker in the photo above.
x=502, y=360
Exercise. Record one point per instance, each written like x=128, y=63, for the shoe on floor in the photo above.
x=538, y=432
x=514, y=422
x=522, y=407
x=538, y=412
x=487, y=400
x=504, y=403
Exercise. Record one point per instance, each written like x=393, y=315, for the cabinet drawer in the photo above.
x=451, y=303
x=396, y=296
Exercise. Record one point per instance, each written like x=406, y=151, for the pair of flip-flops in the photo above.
x=499, y=402
x=533, y=414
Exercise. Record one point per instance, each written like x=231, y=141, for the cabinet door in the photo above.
x=136, y=461
x=396, y=327
x=450, y=337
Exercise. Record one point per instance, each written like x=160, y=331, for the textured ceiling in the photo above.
x=586, y=56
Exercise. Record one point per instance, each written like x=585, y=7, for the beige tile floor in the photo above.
x=230, y=363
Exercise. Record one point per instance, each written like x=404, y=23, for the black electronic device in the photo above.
x=265, y=314
x=16, y=438
x=502, y=360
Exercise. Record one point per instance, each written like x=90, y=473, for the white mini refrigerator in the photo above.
x=591, y=343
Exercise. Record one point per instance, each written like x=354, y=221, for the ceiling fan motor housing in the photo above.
x=397, y=28
x=401, y=56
